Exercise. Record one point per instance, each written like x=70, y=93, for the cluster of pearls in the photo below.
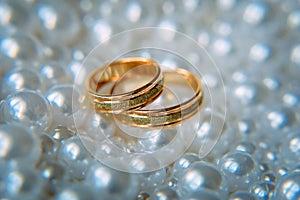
x=256, y=46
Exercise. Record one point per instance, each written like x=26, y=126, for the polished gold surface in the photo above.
x=142, y=95
x=170, y=115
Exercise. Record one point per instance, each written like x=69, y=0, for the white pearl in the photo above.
x=200, y=175
x=239, y=169
x=19, y=46
x=76, y=192
x=264, y=190
x=255, y=13
x=18, y=144
x=19, y=79
x=65, y=101
x=289, y=187
x=27, y=108
x=164, y=193
x=21, y=183
x=111, y=184
x=75, y=156
x=183, y=163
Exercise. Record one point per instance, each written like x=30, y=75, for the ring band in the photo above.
x=135, y=99
x=170, y=115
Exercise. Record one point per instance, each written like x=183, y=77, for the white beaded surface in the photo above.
x=252, y=152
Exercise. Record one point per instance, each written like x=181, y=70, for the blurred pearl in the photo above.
x=239, y=169
x=55, y=52
x=226, y=4
x=263, y=190
x=239, y=195
x=18, y=144
x=56, y=19
x=98, y=126
x=246, y=147
x=27, y=108
x=65, y=101
x=102, y=30
x=151, y=180
x=222, y=46
x=21, y=79
x=61, y=133
x=200, y=175
x=76, y=191
x=55, y=174
x=246, y=126
x=260, y=52
x=290, y=152
x=279, y=118
x=289, y=187
x=19, y=46
x=183, y=163
x=111, y=184
x=255, y=13
x=164, y=193
x=75, y=156
x=53, y=73
x=291, y=99
x=272, y=83
x=246, y=93
x=202, y=194
x=13, y=13
x=21, y=183
x=294, y=19
x=295, y=54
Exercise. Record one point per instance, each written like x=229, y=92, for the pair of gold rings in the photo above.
x=110, y=91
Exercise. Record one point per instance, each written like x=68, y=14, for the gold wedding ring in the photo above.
x=171, y=115
x=131, y=100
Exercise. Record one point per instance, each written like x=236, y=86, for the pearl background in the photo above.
x=243, y=144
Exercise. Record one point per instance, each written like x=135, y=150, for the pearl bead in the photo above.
x=19, y=46
x=18, y=144
x=291, y=149
x=111, y=184
x=200, y=175
x=289, y=187
x=76, y=191
x=21, y=183
x=65, y=101
x=183, y=163
x=53, y=73
x=151, y=180
x=239, y=169
x=54, y=174
x=263, y=190
x=21, y=79
x=14, y=13
x=279, y=118
x=75, y=156
x=255, y=13
x=164, y=193
x=246, y=147
x=27, y=108
x=260, y=52
x=56, y=19
x=239, y=195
